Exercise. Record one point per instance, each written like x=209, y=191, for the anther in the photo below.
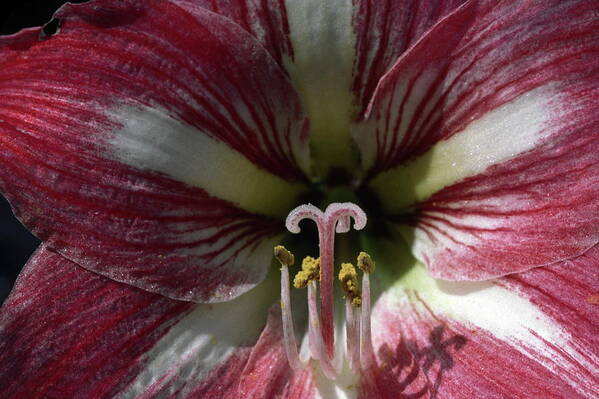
x=310, y=272
x=284, y=256
x=365, y=263
x=349, y=284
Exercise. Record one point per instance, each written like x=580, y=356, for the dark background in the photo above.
x=16, y=243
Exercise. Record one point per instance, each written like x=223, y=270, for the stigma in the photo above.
x=316, y=275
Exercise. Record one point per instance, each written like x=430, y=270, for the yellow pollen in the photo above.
x=365, y=263
x=284, y=256
x=349, y=282
x=310, y=272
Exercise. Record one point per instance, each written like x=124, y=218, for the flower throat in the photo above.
x=317, y=276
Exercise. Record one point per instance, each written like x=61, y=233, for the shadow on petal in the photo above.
x=410, y=371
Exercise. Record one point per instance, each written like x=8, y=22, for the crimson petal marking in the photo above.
x=569, y=293
x=157, y=234
x=62, y=170
x=205, y=353
x=260, y=372
x=265, y=20
x=502, y=112
x=385, y=30
x=481, y=57
x=218, y=80
x=529, y=334
x=69, y=332
x=535, y=210
x=267, y=373
x=222, y=381
x=335, y=52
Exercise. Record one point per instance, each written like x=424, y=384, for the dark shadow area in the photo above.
x=424, y=366
x=18, y=14
x=16, y=246
x=51, y=28
x=439, y=351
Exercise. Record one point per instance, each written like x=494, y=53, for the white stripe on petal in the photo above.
x=150, y=139
x=323, y=40
x=499, y=135
x=201, y=341
x=503, y=313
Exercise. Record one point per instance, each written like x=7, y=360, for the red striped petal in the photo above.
x=335, y=52
x=384, y=31
x=267, y=373
x=568, y=293
x=143, y=152
x=487, y=129
x=526, y=335
x=266, y=21
x=71, y=333
x=531, y=211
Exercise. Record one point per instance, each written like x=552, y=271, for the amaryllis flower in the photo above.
x=158, y=147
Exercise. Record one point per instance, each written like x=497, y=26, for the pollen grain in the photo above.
x=310, y=272
x=349, y=282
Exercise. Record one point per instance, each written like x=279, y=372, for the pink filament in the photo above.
x=316, y=343
x=352, y=336
x=289, y=340
x=366, y=351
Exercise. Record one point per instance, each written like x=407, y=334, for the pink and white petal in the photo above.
x=531, y=334
x=266, y=21
x=150, y=155
x=72, y=333
x=463, y=75
x=334, y=52
x=267, y=373
x=485, y=131
x=340, y=48
x=532, y=211
x=384, y=31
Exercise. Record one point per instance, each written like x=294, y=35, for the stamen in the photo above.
x=317, y=348
x=352, y=336
x=314, y=334
x=286, y=258
x=367, y=265
x=349, y=283
x=307, y=277
x=326, y=223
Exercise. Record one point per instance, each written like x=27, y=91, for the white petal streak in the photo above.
x=506, y=315
x=500, y=135
x=321, y=68
x=201, y=342
x=151, y=139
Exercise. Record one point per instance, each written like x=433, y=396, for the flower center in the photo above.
x=317, y=276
